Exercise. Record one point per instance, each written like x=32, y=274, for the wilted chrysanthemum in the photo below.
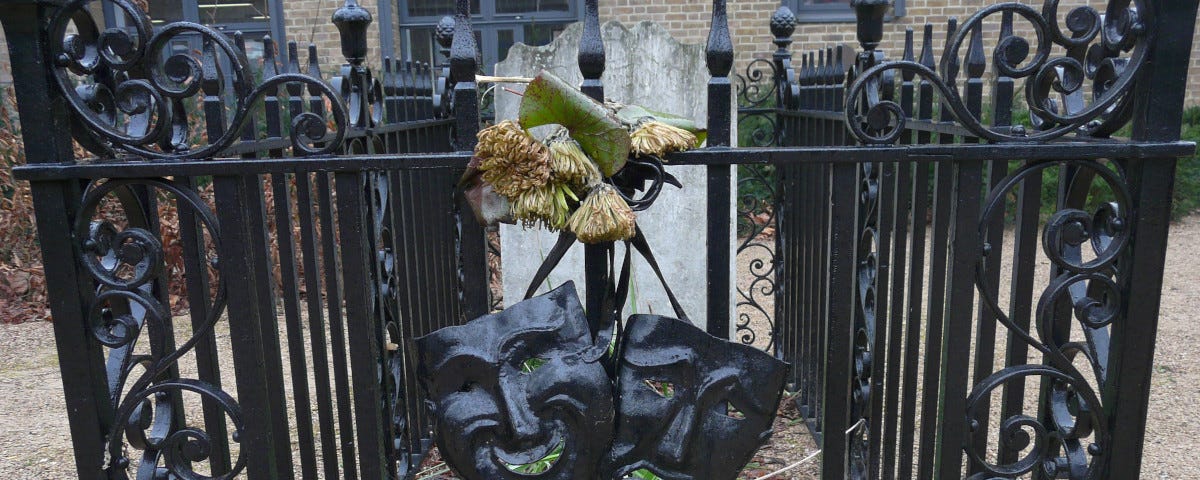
x=568, y=163
x=656, y=138
x=546, y=205
x=511, y=160
x=603, y=217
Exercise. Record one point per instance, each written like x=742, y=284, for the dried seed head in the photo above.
x=546, y=205
x=568, y=163
x=603, y=217
x=511, y=160
x=656, y=138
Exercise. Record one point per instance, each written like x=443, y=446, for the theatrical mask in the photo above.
x=690, y=405
x=508, y=389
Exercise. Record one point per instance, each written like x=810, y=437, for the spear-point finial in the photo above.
x=976, y=59
x=719, y=52
x=927, y=47
x=270, y=63
x=909, y=54
x=352, y=22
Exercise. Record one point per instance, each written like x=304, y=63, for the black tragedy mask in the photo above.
x=691, y=405
x=510, y=388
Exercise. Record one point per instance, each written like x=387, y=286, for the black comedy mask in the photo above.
x=691, y=405
x=509, y=389
x=512, y=388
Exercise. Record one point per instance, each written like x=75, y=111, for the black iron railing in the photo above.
x=320, y=232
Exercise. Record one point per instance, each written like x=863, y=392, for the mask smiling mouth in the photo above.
x=537, y=460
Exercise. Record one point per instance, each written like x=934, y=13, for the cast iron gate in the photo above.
x=895, y=198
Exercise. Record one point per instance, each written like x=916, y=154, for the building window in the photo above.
x=254, y=18
x=499, y=24
x=828, y=11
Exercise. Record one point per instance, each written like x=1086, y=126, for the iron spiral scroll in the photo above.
x=128, y=97
x=145, y=389
x=756, y=214
x=757, y=95
x=1071, y=434
x=1106, y=50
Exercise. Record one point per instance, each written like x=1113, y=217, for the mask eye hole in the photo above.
x=531, y=364
x=733, y=412
x=662, y=388
x=467, y=387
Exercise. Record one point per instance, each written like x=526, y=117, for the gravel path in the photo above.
x=35, y=444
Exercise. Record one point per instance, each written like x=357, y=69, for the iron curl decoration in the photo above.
x=1108, y=50
x=755, y=214
x=126, y=266
x=1089, y=290
x=865, y=318
x=134, y=103
x=757, y=88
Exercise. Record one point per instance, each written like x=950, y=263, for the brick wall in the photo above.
x=688, y=21
x=308, y=21
x=749, y=23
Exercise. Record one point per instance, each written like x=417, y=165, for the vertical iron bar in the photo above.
x=333, y=292
x=901, y=204
x=942, y=204
x=920, y=225
x=238, y=268
x=1002, y=91
x=964, y=251
x=362, y=327
x=316, y=322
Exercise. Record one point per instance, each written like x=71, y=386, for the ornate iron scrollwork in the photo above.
x=511, y=388
x=755, y=215
x=127, y=266
x=1072, y=432
x=1109, y=50
x=133, y=96
x=756, y=91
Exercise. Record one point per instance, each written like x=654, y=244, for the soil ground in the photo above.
x=35, y=442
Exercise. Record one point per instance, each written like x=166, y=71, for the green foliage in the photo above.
x=549, y=100
x=644, y=474
x=1187, y=175
x=540, y=465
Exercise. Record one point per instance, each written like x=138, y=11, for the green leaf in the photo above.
x=632, y=114
x=549, y=100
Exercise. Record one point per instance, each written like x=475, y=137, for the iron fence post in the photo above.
x=719, y=55
x=836, y=416
x=1159, y=98
x=45, y=129
x=472, y=241
x=597, y=278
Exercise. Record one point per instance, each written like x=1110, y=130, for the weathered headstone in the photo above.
x=646, y=67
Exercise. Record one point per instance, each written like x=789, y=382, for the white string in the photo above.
x=860, y=423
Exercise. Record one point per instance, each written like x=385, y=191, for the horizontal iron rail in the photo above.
x=706, y=156
x=279, y=143
x=912, y=124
